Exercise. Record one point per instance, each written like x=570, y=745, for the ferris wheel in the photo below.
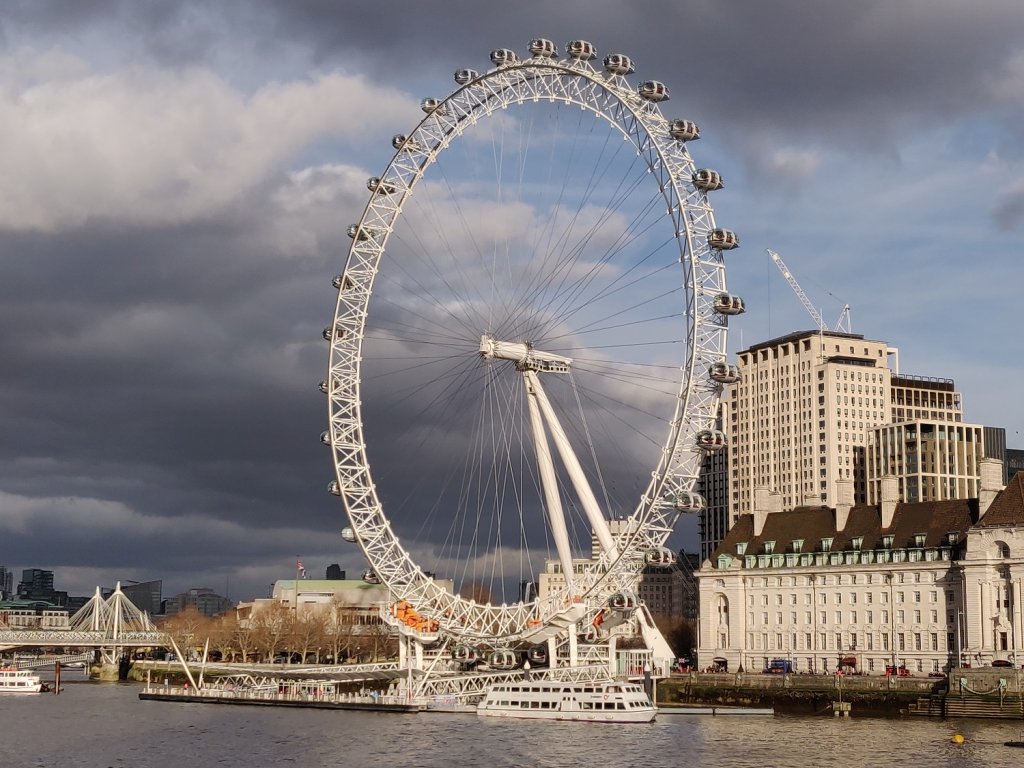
x=528, y=350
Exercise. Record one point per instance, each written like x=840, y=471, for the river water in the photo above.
x=104, y=725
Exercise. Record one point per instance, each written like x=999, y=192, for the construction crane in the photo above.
x=842, y=324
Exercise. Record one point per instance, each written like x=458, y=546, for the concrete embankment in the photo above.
x=799, y=694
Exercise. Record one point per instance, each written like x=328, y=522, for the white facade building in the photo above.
x=870, y=586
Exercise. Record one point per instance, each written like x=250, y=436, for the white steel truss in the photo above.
x=640, y=122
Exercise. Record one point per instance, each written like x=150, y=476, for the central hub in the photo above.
x=523, y=354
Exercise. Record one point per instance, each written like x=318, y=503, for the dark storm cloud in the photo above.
x=160, y=332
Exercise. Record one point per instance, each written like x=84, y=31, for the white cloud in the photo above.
x=146, y=146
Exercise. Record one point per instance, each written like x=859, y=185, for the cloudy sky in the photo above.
x=177, y=179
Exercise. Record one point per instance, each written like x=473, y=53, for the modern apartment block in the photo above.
x=931, y=460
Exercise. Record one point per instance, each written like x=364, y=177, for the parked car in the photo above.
x=1002, y=663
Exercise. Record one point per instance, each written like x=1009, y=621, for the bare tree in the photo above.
x=270, y=626
x=308, y=631
x=189, y=628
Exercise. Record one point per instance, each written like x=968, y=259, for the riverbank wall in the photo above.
x=799, y=694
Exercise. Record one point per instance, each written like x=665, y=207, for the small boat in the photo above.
x=19, y=681
x=1013, y=744
x=601, y=702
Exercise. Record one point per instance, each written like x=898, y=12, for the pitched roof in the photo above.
x=1008, y=506
x=934, y=519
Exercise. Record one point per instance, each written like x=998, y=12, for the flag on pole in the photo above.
x=300, y=568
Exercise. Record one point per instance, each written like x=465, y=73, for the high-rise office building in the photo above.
x=799, y=418
x=6, y=582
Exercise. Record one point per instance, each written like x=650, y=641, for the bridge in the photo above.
x=109, y=625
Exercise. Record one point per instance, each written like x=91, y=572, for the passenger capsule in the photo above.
x=707, y=180
x=724, y=373
x=501, y=57
x=542, y=48
x=360, y=233
x=618, y=64
x=325, y=437
x=653, y=90
x=464, y=76
x=342, y=282
x=660, y=556
x=370, y=576
x=684, y=130
x=323, y=386
x=430, y=106
x=502, y=658
x=333, y=488
x=621, y=601
x=538, y=654
x=334, y=333
x=727, y=304
x=380, y=187
x=348, y=534
x=465, y=654
x=688, y=501
x=723, y=239
x=711, y=440
x=590, y=635
x=401, y=141
x=581, y=49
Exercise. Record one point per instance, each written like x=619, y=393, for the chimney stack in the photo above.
x=890, y=498
x=844, y=503
x=991, y=484
x=765, y=503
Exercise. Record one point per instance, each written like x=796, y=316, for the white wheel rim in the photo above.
x=578, y=83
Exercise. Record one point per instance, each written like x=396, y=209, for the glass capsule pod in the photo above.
x=401, y=141
x=688, y=501
x=501, y=57
x=728, y=304
x=362, y=234
x=502, y=658
x=621, y=601
x=707, y=179
x=538, y=654
x=333, y=488
x=465, y=654
x=659, y=556
x=711, y=439
x=323, y=386
x=370, y=576
x=723, y=239
x=590, y=635
x=618, y=64
x=348, y=534
x=330, y=334
x=724, y=373
x=377, y=185
x=684, y=130
x=464, y=76
x=431, y=105
x=581, y=49
x=543, y=48
x=325, y=437
x=342, y=282
x=653, y=90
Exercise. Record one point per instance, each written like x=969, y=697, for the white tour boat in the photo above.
x=19, y=681
x=604, y=702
